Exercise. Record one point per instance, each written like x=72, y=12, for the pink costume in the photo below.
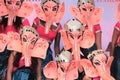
x=87, y=13
x=41, y=31
x=117, y=26
x=96, y=28
x=21, y=63
x=10, y=28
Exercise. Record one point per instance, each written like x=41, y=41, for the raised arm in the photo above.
x=114, y=40
x=98, y=40
x=57, y=44
x=10, y=66
x=39, y=69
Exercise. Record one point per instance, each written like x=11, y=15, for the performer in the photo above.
x=47, y=24
x=24, y=65
x=11, y=20
x=74, y=36
x=98, y=64
x=85, y=13
x=115, y=48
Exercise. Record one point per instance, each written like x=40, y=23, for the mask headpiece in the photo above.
x=44, y=1
x=82, y=2
x=74, y=25
x=64, y=56
x=94, y=53
x=29, y=29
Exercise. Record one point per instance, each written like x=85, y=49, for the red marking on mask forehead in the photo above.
x=14, y=1
x=50, y=4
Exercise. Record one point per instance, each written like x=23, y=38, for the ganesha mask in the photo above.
x=27, y=42
x=75, y=36
x=16, y=8
x=63, y=69
x=86, y=12
x=50, y=11
x=98, y=62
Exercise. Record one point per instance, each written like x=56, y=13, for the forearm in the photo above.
x=57, y=44
x=57, y=50
x=98, y=40
x=112, y=50
x=9, y=76
x=39, y=76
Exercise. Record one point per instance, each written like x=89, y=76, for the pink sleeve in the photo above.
x=117, y=26
x=25, y=22
x=10, y=28
x=97, y=28
x=59, y=27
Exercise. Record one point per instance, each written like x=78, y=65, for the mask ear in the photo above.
x=60, y=12
x=88, y=68
x=96, y=16
x=76, y=13
x=50, y=70
x=26, y=9
x=118, y=12
x=88, y=39
x=40, y=49
x=39, y=12
x=14, y=39
x=3, y=42
x=3, y=9
x=66, y=42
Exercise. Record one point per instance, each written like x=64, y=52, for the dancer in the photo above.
x=25, y=64
x=47, y=24
x=115, y=48
x=12, y=19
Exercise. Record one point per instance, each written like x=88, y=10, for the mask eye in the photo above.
x=9, y=2
x=91, y=9
x=18, y=3
x=79, y=36
x=84, y=9
x=71, y=35
x=54, y=9
x=33, y=42
x=97, y=62
x=45, y=9
x=24, y=39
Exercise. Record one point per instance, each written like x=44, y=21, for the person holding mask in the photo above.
x=47, y=25
x=11, y=20
x=115, y=48
x=22, y=65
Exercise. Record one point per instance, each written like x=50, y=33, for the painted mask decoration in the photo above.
x=96, y=63
x=16, y=8
x=3, y=42
x=66, y=69
x=86, y=12
x=75, y=36
x=50, y=11
x=118, y=12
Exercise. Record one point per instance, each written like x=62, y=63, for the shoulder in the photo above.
x=117, y=25
x=36, y=20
